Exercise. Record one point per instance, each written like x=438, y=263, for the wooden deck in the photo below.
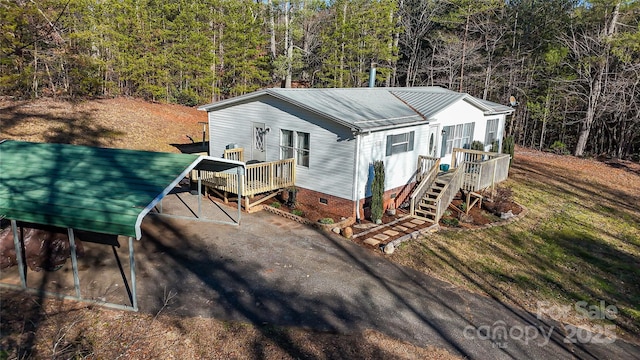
x=260, y=178
x=482, y=170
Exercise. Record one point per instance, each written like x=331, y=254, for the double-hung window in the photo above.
x=400, y=143
x=295, y=144
x=457, y=136
x=492, y=132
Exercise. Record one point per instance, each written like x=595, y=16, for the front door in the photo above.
x=432, y=149
x=258, y=150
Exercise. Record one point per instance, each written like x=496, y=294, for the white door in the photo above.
x=258, y=149
x=432, y=142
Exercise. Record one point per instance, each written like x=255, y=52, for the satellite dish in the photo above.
x=512, y=100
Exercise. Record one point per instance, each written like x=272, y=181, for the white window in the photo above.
x=295, y=144
x=400, y=143
x=457, y=136
x=492, y=132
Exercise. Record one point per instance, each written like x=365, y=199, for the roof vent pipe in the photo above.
x=372, y=75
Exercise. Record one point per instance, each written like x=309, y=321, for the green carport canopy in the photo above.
x=88, y=188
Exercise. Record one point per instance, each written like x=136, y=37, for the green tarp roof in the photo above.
x=87, y=188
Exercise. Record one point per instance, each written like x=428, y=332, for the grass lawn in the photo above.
x=580, y=241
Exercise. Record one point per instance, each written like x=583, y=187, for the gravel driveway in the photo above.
x=274, y=271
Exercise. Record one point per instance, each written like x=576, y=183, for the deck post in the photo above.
x=74, y=262
x=19, y=258
x=493, y=179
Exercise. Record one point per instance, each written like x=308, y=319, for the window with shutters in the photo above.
x=400, y=143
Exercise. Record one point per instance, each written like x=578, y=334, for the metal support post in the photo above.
x=19, y=258
x=74, y=262
x=240, y=191
x=199, y=195
x=132, y=266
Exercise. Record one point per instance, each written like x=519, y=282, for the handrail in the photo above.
x=470, y=156
x=424, y=160
x=424, y=185
x=448, y=192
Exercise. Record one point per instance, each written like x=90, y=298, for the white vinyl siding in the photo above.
x=400, y=168
x=332, y=145
x=295, y=143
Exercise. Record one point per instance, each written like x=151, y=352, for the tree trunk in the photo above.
x=596, y=86
x=289, y=44
x=464, y=49
x=272, y=31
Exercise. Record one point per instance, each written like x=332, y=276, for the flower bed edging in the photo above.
x=326, y=227
x=510, y=220
x=287, y=215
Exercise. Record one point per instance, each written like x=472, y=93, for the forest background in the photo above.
x=570, y=68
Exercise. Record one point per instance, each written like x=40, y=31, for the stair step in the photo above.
x=435, y=194
x=426, y=206
x=426, y=216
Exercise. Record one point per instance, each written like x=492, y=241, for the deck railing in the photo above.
x=234, y=154
x=481, y=169
x=259, y=178
x=425, y=183
x=449, y=192
x=425, y=165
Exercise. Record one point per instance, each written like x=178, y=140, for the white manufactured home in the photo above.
x=324, y=141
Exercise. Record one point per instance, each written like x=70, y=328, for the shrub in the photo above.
x=477, y=145
x=495, y=146
x=297, y=212
x=559, y=148
x=502, y=200
x=326, y=221
x=377, y=191
x=508, y=147
x=276, y=205
x=451, y=222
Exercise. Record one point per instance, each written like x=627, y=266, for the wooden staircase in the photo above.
x=471, y=171
x=426, y=208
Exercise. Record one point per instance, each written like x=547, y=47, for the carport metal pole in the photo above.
x=74, y=262
x=240, y=191
x=19, y=258
x=132, y=266
x=199, y=195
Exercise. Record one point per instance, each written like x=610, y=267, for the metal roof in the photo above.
x=88, y=188
x=361, y=108
x=428, y=103
x=368, y=109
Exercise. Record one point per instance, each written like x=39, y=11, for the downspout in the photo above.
x=356, y=177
